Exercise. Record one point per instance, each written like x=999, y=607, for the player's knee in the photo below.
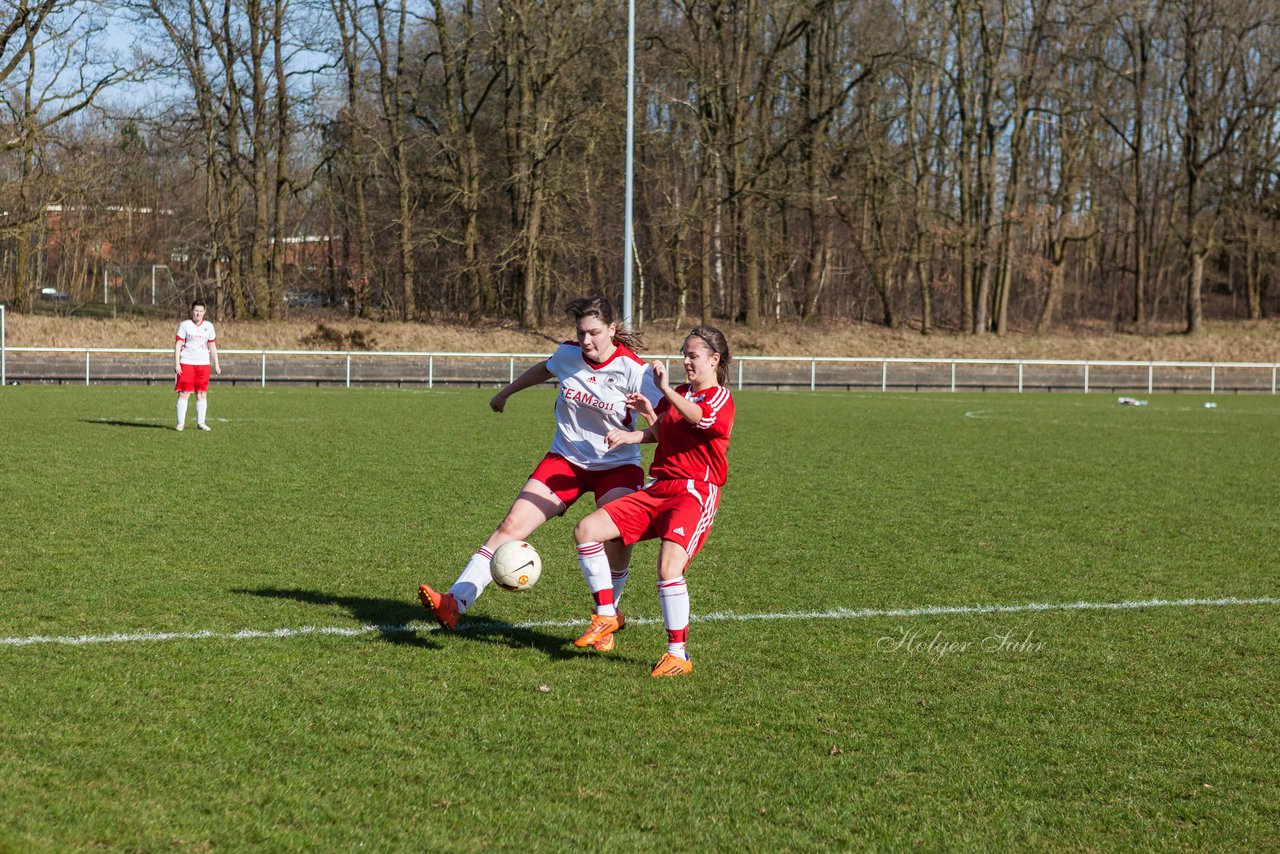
x=585, y=530
x=670, y=571
x=673, y=560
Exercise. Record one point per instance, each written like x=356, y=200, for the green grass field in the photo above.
x=829, y=708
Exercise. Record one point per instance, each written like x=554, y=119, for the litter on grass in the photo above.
x=1132, y=401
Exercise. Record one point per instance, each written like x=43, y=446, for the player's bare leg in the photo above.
x=533, y=507
x=535, y=504
x=673, y=596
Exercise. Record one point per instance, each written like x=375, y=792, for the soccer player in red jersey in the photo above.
x=597, y=375
x=691, y=425
x=193, y=350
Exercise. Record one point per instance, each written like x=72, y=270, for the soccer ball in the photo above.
x=515, y=566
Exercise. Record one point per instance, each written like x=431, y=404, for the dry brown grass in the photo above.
x=1238, y=342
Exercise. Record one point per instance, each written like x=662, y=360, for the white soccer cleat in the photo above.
x=203, y=426
x=179, y=428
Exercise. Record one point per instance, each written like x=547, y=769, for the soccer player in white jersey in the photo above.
x=193, y=351
x=691, y=425
x=596, y=374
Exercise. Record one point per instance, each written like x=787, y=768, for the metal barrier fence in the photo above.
x=87, y=366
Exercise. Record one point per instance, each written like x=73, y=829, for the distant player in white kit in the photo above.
x=193, y=352
x=595, y=375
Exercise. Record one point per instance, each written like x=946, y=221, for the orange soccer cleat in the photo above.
x=606, y=643
x=442, y=606
x=601, y=627
x=672, y=665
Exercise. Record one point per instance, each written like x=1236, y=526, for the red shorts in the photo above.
x=681, y=511
x=193, y=378
x=569, y=482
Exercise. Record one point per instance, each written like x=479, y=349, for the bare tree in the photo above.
x=50, y=70
x=461, y=40
x=1227, y=85
x=540, y=44
x=387, y=39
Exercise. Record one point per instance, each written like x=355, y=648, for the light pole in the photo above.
x=627, y=224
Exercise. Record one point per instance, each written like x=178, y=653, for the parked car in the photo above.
x=305, y=299
x=53, y=295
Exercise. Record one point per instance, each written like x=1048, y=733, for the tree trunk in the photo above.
x=29, y=217
x=924, y=276
x=1253, y=274
x=259, y=160
x=1195, y=283
x=275, y=287
x=408, y=267
x=529, y=282
x=705, y=312
x=1057, y=276
x=751, y=280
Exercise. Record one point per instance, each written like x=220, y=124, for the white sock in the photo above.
x=475, y=577
x=182, y=410
x=202, y=406
x=673, y=596
x=595, y=569
x=619, y=578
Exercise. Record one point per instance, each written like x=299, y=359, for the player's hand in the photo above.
x=614, y=438
x=177, y=369
x=498, y=402
x=217, y=369
x=660, y=375
x=641, y=405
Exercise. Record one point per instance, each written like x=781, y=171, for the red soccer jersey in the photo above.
x=694, y=451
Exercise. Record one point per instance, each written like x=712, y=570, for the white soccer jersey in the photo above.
x=592, y=400
x=195, y=342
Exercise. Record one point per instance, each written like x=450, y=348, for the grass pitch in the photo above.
x=211, y=641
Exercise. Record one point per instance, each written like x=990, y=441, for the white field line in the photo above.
x=715, y=617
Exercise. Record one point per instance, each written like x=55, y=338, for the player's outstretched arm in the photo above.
x=537, y=375
x=615, y=438
x=638, y=403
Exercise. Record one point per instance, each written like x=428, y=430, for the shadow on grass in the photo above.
x=106, y=422
x=392, y=618
x=389, y=616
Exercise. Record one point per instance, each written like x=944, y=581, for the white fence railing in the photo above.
x=89, y=365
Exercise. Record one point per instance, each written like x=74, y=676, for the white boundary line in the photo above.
x=715, y=617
